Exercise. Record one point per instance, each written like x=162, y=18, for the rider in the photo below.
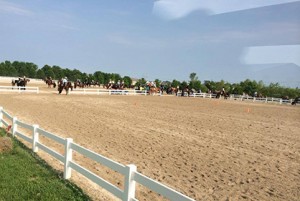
x=64, y=81
x=223, y=90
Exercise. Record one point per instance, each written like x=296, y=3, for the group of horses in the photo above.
x=60, y=85
x=151, y=89
x=86, y=83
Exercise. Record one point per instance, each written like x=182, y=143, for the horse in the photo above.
x=154, y=90
x=296, y=101
x=79, y=84
x=221, y=93
x=114, y=86
x=62, y=86
x=21, y=83
x=95, y=83
x=50, y=82
x=14, y=82
x=172, y=90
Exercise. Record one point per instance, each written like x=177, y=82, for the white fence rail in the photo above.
x=239, y=97
x=19, y=89
x=108, y=92
x=129, y=172
x=258, y=99
x=201, y=95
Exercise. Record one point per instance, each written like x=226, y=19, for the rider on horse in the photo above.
x=64, y=81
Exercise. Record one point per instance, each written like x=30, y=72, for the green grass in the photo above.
x=25, y=176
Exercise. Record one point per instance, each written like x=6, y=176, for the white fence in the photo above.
x=130, y=171
x=257, y=99
x=239, y=97
x=19, y=89
x=108, y=92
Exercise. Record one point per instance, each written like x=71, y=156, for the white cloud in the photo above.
x=174, y=9
x=12, y=8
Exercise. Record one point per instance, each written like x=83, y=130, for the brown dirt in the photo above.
x=206, y=149
x=5, y=144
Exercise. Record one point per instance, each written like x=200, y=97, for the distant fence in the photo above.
x=109, y=92
x=19, y=89
x=130, y=171
x=239, y=97
x=201, y=95
x=260, y=99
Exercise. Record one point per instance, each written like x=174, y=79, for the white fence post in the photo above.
x=1, y=116
x=35, y=138
x=37, y=90
x=129, y=185
x=280, y=101
x=68, y=158
x=14, y=126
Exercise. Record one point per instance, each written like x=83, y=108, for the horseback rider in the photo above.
x=64, y=81
x=223, y=91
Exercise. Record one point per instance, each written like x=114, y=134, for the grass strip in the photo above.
x=25, y=176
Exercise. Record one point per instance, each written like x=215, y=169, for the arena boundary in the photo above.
x=111, y=92
x=19, y=89
x=239, y=97
x=129, y=171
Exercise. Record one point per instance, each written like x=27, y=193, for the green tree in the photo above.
x=48, y=71
x=99, y=76
x=183, y=85
x=141, y=82
x=7, y=69
x=196, y=85
x=175, y=83
x=157, y=82
x=127, y=81
x=58, y=72
x=40, y=74
x=193, y=77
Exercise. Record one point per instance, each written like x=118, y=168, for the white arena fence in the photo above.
x=239, y=97
x=108, y=92
x=129, y=172
x=16, y=89
x=264, y=100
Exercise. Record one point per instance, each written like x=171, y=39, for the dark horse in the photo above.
x=114, y=86
x=221, y=93
x=21, y=83
x=296, y=101
x=50, y=82
x=65, y=86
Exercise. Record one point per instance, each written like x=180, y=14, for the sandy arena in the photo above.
x=207, y=149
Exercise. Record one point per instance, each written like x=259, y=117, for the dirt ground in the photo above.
x=207, y=149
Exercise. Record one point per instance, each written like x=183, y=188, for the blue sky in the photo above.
x=163, y=39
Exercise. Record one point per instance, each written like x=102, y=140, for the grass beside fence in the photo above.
x=25, y=176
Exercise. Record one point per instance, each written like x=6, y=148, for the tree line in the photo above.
x=20, y=69
x=250, y=87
